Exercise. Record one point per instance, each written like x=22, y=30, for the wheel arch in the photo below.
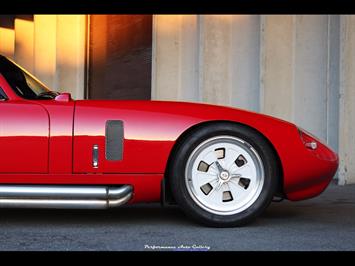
x=166, y=194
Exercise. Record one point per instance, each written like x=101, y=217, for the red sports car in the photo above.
x=221, y=165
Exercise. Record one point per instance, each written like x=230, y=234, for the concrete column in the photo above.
x=45, y=48
x=189, y=58
x=277, y=58
x=347, y=101
x=175, y=57
x=7, y=42
x=216, y=67
x=24, y=31
x=310, y=74
x=71, y=53
x=333, y=81
x=166, y=54
x=245, y=56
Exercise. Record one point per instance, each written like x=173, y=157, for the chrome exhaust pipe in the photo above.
x=64, y=197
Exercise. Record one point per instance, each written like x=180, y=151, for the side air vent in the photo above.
x=114, y=140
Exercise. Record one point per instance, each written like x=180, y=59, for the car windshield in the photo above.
x=22, y=82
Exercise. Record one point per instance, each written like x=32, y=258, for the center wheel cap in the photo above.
x=224, y=175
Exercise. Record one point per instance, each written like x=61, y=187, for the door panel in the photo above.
x=24, y=133
x=142, y=138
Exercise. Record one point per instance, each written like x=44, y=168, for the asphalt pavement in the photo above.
x=323, y=223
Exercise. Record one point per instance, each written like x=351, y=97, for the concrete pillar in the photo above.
x=216, y=64
x=7, y=42
x=277, y=59
x=347, y=101
x=310, y=74
x=71, y=53
x=245, y=62
x=333, y=81
x=45, y=48
x=166, y=53
x=189, y=58
x=24, y=31
x=175, y=57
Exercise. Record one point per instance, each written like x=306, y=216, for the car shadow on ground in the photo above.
x=135, y=214
x=147, y=213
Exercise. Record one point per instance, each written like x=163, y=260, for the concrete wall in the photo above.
x=298, y=68
x=347, y=100
x=7, y=42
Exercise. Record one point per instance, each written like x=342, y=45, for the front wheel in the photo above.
x=223, y=174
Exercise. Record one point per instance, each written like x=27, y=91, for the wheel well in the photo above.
x=167, y=197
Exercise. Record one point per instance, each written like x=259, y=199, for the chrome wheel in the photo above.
x=224, y=175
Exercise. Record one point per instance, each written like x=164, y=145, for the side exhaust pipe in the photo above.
x=64, y=197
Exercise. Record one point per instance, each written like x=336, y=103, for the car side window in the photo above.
x=23, y=83
x=2, y=95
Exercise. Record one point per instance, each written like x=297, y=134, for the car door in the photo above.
x=24, y=137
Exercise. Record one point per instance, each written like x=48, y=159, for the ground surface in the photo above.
x=324, y=223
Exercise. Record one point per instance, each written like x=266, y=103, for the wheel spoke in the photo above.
x=247, y=172
x=213, y=170
x=236, y=176
x=216, y=194
x=210, y=157
x=227, y=195
x=234, y=168
x=238, y=192
x=230, y=157
x=204, y=178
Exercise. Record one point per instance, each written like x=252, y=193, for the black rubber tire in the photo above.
x=186, y=147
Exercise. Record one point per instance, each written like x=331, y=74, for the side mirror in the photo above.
x=63, y=97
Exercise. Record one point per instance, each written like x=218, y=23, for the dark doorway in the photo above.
x=120, y=57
